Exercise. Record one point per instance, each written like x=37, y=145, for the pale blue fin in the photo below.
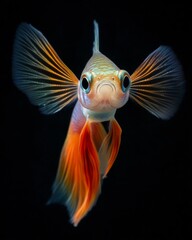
x=40, y=73
x=158, y=83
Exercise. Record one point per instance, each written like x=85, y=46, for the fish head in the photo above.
x=104, y=92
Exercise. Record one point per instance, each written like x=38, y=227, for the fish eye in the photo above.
x=85, y=84
x=125, y=80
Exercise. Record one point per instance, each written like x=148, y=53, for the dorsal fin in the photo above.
x=96, y=41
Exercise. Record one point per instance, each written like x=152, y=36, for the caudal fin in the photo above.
x=77, y=183
x=110, y=147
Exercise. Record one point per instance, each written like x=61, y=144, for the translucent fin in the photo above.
x=98, y=133
x=96, y=41
x=78, y=179
x=158, y=83
x=68, y=185
x=110, y=147
x=40, y=73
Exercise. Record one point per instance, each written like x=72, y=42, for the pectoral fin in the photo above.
x=40, y=73
x=158, y=83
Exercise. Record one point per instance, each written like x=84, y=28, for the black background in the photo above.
x=147, y=193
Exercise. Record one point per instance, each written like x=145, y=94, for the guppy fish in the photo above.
x=90, y=148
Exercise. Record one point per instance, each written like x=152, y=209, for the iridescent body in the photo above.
x=90, y=150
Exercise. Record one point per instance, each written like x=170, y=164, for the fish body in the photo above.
x=90, y=149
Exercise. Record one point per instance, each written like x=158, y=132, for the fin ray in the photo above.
x=40, y=73
x=158, y=83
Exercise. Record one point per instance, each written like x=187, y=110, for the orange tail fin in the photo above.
x=110, y=147
x=107, y=144
x=88, y=153
x=77, y=182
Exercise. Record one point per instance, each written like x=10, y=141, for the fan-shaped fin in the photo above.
x=158, y=83
x=40, y=73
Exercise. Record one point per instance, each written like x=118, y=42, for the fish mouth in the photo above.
x=105, y=88
x=105, y=92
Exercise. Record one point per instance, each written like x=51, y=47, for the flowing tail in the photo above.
x=85, y=158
